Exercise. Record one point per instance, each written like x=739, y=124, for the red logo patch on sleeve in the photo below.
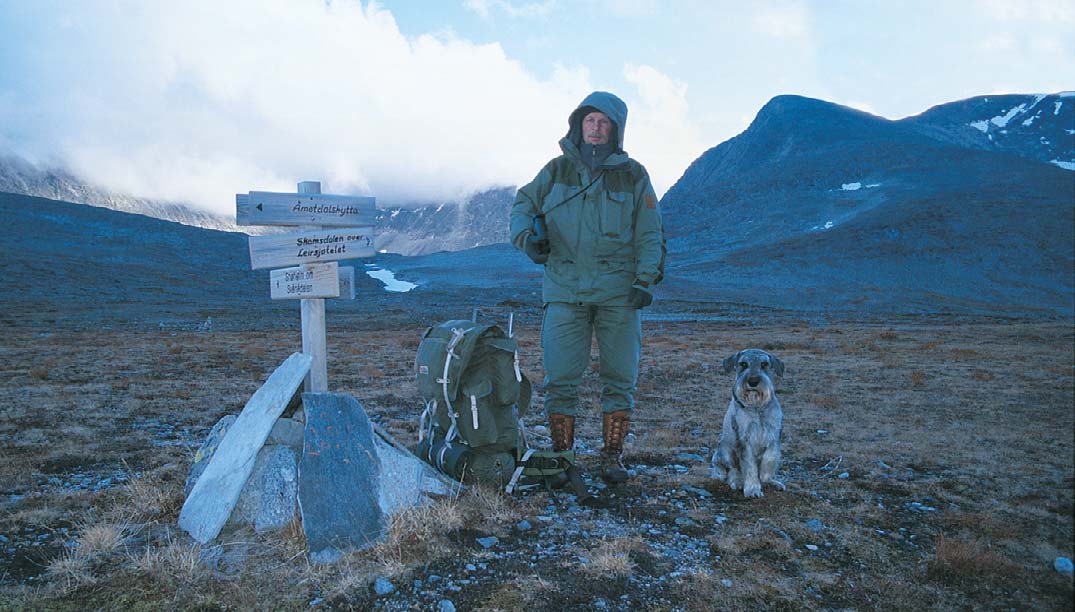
x=651, y=202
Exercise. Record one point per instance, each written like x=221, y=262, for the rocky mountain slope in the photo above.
x=479, y=220
x=824, y=205
x=814, y=208
x=91, y=266
x=1040, y=126
x=21, y=177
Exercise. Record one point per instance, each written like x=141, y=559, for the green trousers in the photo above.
x=566, y=334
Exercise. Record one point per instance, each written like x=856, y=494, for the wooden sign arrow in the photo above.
x=268, y=208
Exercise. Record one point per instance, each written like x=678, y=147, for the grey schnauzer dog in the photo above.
x=748, y=453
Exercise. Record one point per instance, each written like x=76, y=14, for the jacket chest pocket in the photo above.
x=614, y=216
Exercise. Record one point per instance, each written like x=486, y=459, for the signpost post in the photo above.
x=329, y=228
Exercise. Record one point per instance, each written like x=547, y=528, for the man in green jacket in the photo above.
x=591, y=218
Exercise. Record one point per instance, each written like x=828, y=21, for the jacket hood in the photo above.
x=605, y=102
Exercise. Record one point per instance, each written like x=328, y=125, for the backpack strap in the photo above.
x=425, y=422
x=519, y=467
x=457, y=335
x=474, y=412
x=511, y=334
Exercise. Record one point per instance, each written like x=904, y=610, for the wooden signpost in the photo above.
x=346, y=275
x=328, y=228
x=267, y=208
x=303, y=282
x=310, y=246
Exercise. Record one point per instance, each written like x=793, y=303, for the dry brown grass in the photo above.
x=419, y=533
x=612, y=558
x=827, y=402
x=969, y=560
x=149, y=498
x=175, y=560
x=988, y=447
x=69, y=571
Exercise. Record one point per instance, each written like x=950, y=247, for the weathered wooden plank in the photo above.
x=339, y=477
x=310, y=246
x=315, y=345
x=214, y=496
x=271, y=208
x=306, y=281
x=347, y=282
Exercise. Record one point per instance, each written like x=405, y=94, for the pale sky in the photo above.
x=407, y=101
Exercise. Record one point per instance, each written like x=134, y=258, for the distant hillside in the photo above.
x=822, y=205
x=815, y=208
x=21, y=177
x=1040, y=126
x=73, y=262
x=479, y=221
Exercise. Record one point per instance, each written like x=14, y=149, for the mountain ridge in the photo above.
x=815, y=207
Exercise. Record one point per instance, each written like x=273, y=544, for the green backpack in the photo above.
x=475, y=396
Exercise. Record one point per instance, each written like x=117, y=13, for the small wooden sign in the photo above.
x=347, y=282
x=310, y=246
x=303, y=282
x=268, y=208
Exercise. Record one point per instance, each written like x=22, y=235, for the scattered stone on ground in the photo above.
x=1064, y=565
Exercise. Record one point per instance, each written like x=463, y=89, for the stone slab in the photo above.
x=406, y=480
x=205, y=452
x=214, y=496
x=339, y=478
x=287, y=432
x=269, y=499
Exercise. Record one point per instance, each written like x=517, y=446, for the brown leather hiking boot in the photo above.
x=614, y=427
x=562, y=427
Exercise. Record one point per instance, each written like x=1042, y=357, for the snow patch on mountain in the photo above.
x=857, y=185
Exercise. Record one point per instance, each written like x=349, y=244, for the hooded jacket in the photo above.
x=605, y=229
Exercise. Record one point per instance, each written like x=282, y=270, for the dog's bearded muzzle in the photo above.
x=753, y=391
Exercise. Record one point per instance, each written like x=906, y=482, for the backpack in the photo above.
x=475, y=396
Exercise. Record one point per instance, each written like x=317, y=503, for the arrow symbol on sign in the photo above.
x=259, y=207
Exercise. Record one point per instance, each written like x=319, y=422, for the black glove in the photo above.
x=536, y=250
x=639, y=297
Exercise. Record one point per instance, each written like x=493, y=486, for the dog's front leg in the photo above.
x=725, y=464
x=770, y=462
x=749, y=464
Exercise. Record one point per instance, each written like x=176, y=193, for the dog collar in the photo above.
x=735, y=396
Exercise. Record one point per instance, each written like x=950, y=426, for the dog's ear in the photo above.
x=729, y=363
x=778, y=366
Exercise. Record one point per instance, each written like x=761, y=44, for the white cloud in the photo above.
x=629, y=8
x=484, y=8
x=782, y=20
x=660, y=133
x=1048, y=11
x=198, y=100
x=999, y=43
